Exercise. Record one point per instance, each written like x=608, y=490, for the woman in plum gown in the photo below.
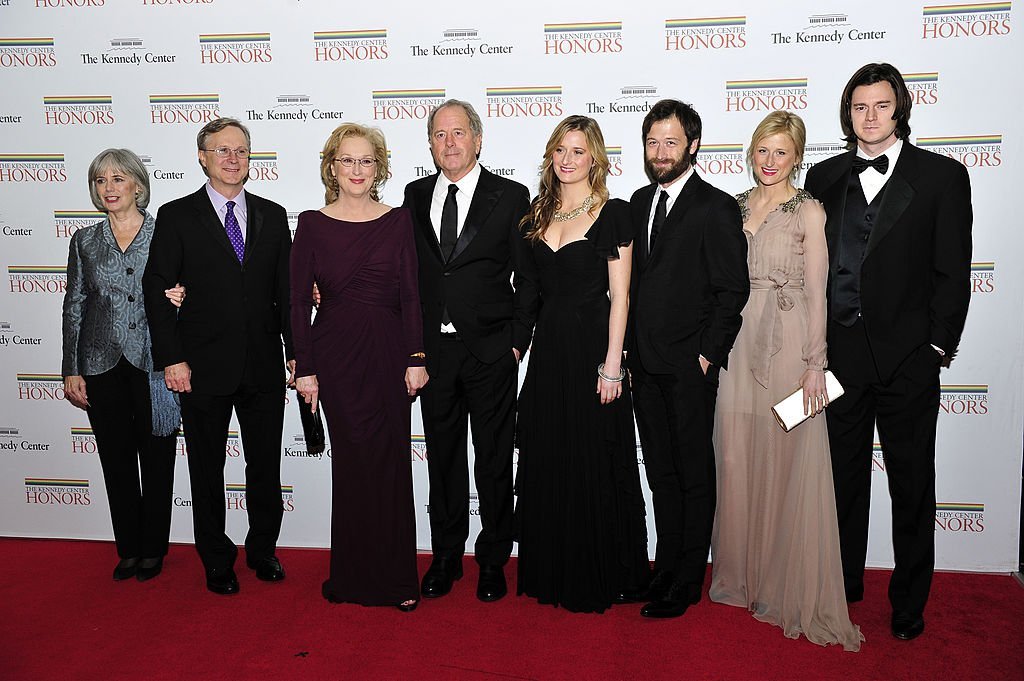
x=580, y=510
x=776, y=538
x=362, y=358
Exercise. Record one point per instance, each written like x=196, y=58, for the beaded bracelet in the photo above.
x=611, y=379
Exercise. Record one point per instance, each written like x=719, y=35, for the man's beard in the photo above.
x=672, y=172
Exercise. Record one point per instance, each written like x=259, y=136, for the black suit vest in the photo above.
x=858, y=220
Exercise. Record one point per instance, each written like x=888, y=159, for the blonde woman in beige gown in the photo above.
x=776, y=540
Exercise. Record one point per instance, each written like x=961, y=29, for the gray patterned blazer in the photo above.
x=104, y=316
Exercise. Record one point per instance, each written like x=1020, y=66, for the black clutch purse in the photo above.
x=312, y=427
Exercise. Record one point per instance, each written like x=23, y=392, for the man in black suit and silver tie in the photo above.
x=899, y=244
x=477, y=322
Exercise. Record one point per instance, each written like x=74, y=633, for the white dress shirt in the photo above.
x=872, y=181
x=673, y=190
x=220, y=205
x=463, y=197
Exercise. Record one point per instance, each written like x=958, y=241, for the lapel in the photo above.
x=207, y=218
x=254, y=226
x=675, y=217
x=641, y=209
x=833, y=196
x=485, y=197
x=423, y=196
x=896, y=196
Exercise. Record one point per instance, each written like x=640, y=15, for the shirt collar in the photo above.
x=467, y=184
x=676, y=188
x=892, y=152
x=219, y=201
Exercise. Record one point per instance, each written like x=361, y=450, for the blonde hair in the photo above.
x=380, y=154
x=780, y=123
x=548, y=193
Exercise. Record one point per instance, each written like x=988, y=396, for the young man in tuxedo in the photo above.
x=223, y=349
x=477, y=322
x=689, y=286
x=899, y=243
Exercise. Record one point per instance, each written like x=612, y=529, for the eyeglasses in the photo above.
x=349, y=162
x=224, y=152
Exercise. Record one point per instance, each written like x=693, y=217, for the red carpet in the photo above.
x=64, y=618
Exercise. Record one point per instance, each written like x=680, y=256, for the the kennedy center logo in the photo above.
x=460, y=42
x=234, y=48
x=296, y=449
x=598, y=37
x=983, y=277
x=973, y=20
x=32, y=279
x=57, y=492
x=40, y=387
x=614, y=160
x=524, y=102
x=720, y=159
x=126, y=52
x=79, y=110
x=391, y=105
x=877, y=458
x=924, y=87
x=83, y=441
x=974, y=151
x=293, y=108
x=960, y=517
x=706, y=33
x=813, y=153
x=766, y=95
x=185, y=108
x=8, y=229
x=11, y=441
x=9, y=337
x=629, y=99
x=33, y=168
x=963, y=400
x=826, y=28
x=357, y=45
x=67, y=222
x=27, y=53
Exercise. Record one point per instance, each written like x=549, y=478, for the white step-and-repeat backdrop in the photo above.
x=78, y=76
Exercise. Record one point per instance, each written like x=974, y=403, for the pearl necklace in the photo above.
x=575, y=212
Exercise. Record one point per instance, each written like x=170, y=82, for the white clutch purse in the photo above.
x=790, y=411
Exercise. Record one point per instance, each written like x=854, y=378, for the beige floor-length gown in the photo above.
x=775, y=545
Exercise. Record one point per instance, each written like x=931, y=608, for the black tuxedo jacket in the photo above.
x=235, y=314
x=686, y=297
x=492, y=311
x=915, y=277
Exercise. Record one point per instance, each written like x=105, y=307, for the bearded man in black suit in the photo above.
x=689, y=286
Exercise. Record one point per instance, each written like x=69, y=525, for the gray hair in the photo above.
x=475, y=124
x=215, y=126
x=123, y=161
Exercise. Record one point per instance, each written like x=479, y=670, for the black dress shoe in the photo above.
x=407, y=607
x=149, y=568
x=439, y=577
x=491, y=586
x=673, y=604
x=126, y=568
x=222, y=581
x=267, y=569
x=630, y=596
x=907, y=628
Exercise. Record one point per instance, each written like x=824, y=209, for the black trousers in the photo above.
x=261, y=420
x=138, y=468
x=675, y=414
x=462, y=389
x=906, y=410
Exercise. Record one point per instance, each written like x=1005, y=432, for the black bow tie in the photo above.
x=881, y=164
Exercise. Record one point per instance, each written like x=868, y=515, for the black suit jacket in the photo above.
x=235, y=314
x=915, y=277
x=492, y=311
x=687, y=296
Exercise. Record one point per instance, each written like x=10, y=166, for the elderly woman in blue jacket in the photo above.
x=107, y=362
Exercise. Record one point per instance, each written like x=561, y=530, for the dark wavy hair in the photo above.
x=667, y=108
x=549, y=192
x=869, y=74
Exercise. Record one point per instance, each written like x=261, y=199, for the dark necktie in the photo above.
x=659, y=219
x=449, y=222
x=880, y=163
x=234, y=231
